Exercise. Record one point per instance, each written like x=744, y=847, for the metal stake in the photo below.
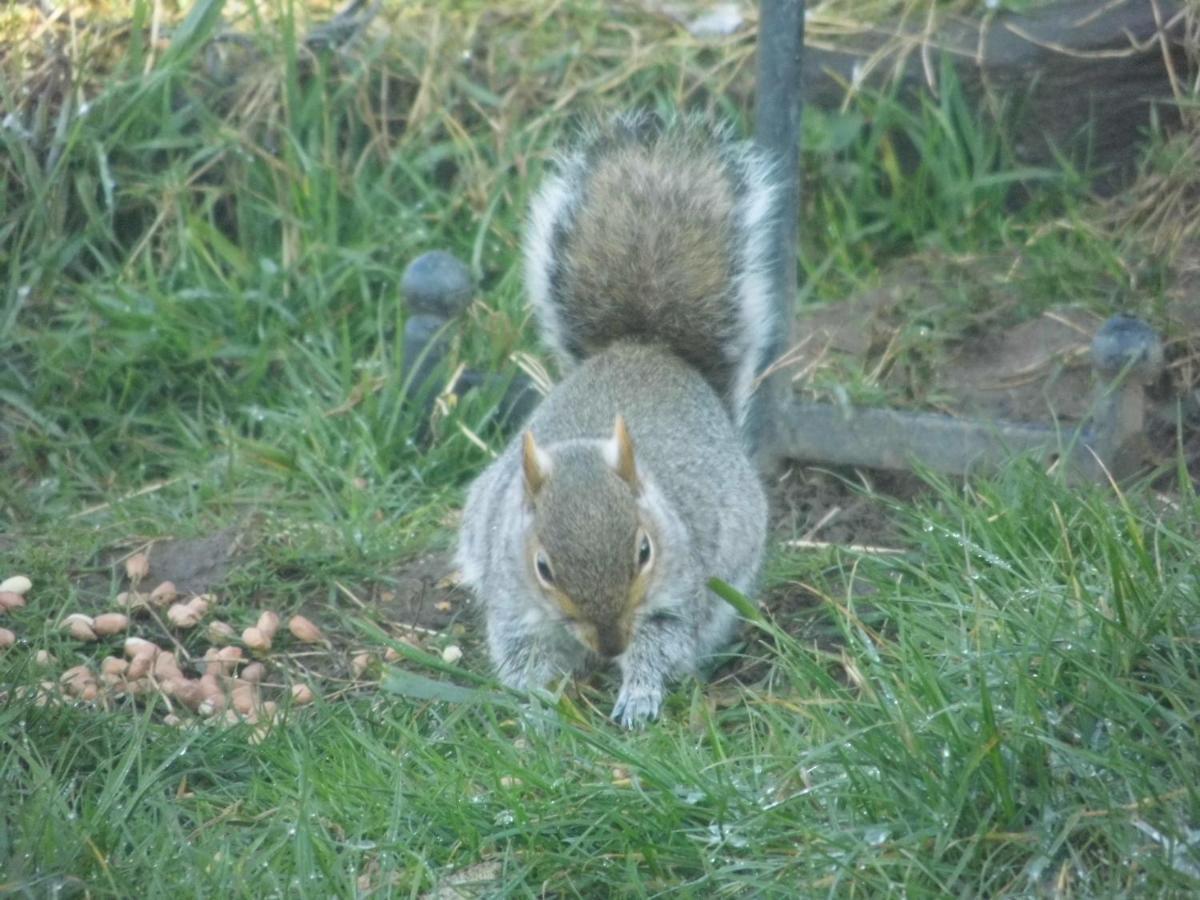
x=778, y=109
x=1126, y=355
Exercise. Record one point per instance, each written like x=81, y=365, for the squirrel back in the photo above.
x=657, y=231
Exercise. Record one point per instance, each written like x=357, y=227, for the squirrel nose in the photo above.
x=611, y=642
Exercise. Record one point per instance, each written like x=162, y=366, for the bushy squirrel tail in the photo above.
x=659, y=231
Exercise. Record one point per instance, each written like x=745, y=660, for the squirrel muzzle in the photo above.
x=611, y=641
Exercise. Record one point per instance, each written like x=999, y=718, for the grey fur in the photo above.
x=696, y=490
x=659, y=230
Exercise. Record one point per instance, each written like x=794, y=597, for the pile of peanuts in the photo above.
x=228, y=683
x=228, y=680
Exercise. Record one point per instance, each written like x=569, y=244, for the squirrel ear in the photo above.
x=535, y=463
x=618, y=453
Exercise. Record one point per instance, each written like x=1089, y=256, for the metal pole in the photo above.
x=778, y=105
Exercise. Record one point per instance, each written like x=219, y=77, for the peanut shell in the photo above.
x=304, y=630
x=17, y=584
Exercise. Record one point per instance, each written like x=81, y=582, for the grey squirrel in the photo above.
x=592, y=537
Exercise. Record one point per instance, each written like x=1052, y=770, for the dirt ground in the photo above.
x=194, y=565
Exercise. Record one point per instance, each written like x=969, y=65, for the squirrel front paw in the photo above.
x=637, y=704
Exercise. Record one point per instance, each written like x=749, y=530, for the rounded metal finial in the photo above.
x=438, y=284
x=1126, y=341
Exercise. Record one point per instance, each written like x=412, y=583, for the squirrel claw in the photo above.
x=637, y=705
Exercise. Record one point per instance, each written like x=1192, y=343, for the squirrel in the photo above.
x=592, y=537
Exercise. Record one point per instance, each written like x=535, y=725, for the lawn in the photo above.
x=976, y=686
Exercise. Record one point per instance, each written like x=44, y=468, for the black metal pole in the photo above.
x=778, y=106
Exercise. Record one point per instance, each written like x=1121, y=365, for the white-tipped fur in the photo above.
x=556, y=202
x=755, y=209
x=611, y=451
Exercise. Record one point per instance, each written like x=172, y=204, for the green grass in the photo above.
x=1018, y=694
x=200, y=328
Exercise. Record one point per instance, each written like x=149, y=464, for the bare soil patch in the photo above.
x=195, y=565
x=422, y=594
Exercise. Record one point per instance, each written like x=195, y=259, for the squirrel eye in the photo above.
x=644, y=551
x=542, y=564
